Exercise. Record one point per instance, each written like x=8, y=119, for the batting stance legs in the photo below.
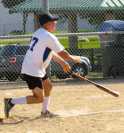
x=41, y=90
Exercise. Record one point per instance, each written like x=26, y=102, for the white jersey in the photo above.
x=39, y=53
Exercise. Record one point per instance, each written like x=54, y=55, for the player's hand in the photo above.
x=66, y=67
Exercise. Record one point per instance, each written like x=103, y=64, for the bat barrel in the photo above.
x=112, y=92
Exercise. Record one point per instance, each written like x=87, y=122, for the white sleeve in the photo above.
x=55, y=45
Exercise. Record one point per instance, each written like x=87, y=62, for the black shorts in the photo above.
x=33, y=82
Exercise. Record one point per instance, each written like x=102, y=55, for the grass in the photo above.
x=91, y=42
x=13, y=41
x=83, y=42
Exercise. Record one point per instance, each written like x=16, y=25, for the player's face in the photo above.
x=51, y=26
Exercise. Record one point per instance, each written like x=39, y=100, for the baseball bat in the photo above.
x=101, y=87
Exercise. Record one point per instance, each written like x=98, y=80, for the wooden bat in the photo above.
x=112, y=92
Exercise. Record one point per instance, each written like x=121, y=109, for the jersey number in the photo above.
x=34, y=40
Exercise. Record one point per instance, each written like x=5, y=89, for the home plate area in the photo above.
x=74, y=112
x=71, y=113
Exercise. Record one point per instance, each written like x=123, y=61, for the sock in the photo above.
x=45, y=104
x=21, y=100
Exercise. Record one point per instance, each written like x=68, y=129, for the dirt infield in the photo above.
x=81, y=108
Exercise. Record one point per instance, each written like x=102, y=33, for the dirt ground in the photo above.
x=81, y=108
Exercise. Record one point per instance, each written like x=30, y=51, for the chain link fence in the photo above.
x=77, y=30
x=12, y=55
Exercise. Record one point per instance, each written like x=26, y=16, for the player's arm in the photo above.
x=66, y=67
x=66, y=56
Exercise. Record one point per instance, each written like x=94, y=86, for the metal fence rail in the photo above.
x=65, y=34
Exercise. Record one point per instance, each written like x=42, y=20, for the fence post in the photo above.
x=72, y=28
x=25, y=15
x=46, y=5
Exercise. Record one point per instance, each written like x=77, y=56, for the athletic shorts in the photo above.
x=33, y=82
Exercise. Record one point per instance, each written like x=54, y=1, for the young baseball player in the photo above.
x=44, y=46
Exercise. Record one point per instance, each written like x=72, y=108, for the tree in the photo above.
x=11, y=3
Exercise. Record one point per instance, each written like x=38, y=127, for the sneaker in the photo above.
x=7, y=106
x=48, y=114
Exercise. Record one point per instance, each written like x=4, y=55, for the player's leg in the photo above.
x=37, y=96
x=47, y=87
x=35, y=84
